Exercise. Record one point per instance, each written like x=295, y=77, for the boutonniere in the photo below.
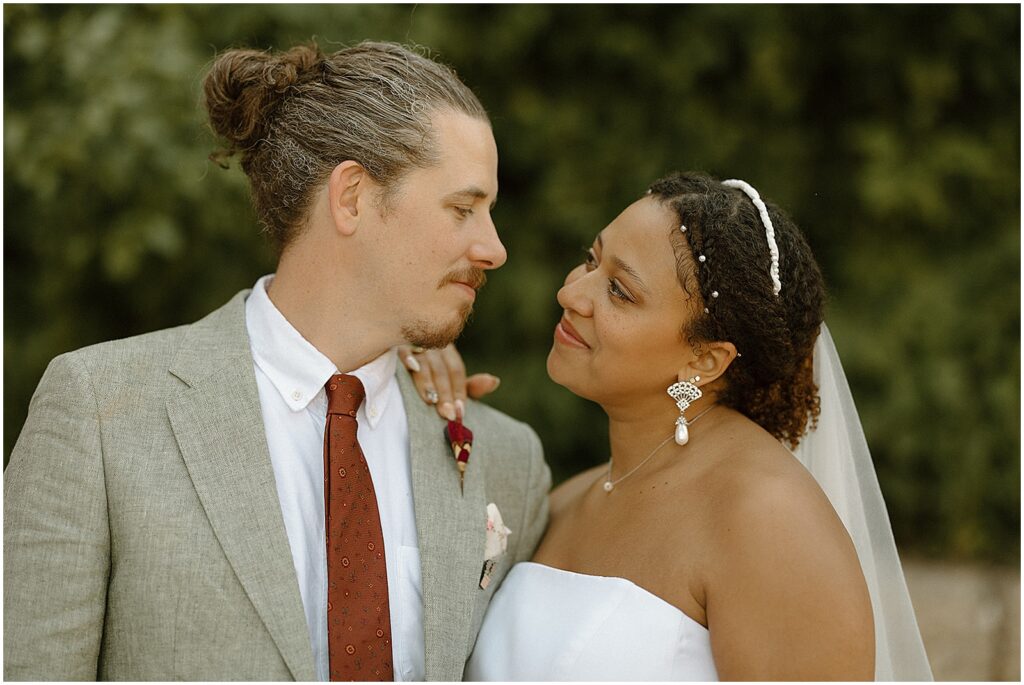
x=461, y=439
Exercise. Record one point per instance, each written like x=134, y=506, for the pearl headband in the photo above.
x=769, y=230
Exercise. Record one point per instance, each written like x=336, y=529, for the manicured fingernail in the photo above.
x=410, y=361
x=460, y=409
x=447, y=411
x=497, y=382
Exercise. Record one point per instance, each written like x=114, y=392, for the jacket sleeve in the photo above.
x=535, y=513
x=56, y=533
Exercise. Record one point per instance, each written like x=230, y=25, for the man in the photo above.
x=261, y=494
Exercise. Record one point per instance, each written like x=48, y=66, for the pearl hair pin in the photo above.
x=773, y=247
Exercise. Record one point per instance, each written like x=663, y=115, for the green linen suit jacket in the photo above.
x=143, y=536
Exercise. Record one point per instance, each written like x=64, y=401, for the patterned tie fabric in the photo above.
x=358, y=614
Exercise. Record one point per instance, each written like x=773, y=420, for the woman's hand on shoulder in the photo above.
x=440, y=378
x=786, y=598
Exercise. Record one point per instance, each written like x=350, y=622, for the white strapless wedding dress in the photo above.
x=544, y=623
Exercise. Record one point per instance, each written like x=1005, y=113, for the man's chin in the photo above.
x=434, y=335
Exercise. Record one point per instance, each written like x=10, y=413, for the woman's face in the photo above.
x=619, y=340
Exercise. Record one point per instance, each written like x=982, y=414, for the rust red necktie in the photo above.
x=358, y=615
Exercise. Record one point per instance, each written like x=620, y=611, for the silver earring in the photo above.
x=684, y=393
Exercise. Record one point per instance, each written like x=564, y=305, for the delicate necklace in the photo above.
x=609, y=484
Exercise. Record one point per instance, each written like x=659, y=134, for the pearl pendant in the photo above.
x=682, y=433
x=608, y=486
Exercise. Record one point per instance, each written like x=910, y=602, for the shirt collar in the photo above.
x=297, y=369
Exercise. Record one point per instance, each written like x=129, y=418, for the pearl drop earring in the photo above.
x=684, y=393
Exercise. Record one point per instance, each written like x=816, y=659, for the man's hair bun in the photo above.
x=244, y=87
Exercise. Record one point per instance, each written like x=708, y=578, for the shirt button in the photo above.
x=296, y=395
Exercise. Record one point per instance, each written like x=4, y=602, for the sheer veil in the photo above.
x=836, y=453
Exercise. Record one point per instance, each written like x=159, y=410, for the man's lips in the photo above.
x=466, y=287
x=573, y=336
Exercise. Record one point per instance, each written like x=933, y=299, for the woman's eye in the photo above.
x=589, y=259
x=615, y=291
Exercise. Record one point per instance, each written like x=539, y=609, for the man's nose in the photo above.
x=487, y=252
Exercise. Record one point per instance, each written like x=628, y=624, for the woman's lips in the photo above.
x=565, y=333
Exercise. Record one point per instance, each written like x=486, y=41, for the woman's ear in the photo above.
x=347, y=190
x=710, y=361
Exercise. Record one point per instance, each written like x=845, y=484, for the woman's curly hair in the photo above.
x=772, y=381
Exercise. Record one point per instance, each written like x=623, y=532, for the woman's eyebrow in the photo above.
x=631, y=271
x=621, y=265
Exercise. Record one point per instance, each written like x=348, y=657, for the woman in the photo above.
x=703, y=549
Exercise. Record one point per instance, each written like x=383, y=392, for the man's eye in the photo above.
x=463, y=211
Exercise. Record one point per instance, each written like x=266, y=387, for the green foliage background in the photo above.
x=891, y=133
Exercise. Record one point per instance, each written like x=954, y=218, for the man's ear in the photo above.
x=710, y=361
x=347, y=191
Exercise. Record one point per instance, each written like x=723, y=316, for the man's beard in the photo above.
x=433, y=335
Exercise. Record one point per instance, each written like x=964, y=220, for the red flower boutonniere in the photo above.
x=461, y=439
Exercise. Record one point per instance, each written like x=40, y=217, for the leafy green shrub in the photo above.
x=891, y=133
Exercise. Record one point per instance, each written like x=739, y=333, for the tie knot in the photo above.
x=344, y=394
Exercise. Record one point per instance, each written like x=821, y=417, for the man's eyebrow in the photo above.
x=472, y=192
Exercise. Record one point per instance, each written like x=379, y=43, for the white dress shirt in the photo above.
x=290, y=375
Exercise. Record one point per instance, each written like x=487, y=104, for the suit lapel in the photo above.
x=450, y=524
x=219, y=428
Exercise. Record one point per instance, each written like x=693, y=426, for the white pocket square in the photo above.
x=497, y=543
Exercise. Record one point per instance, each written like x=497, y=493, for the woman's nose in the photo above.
x=573, y=294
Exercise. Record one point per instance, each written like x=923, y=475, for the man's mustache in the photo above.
x=471, y=276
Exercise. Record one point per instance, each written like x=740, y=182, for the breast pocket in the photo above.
x=409, y=631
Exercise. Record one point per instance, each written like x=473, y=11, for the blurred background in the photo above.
x=890, y=133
